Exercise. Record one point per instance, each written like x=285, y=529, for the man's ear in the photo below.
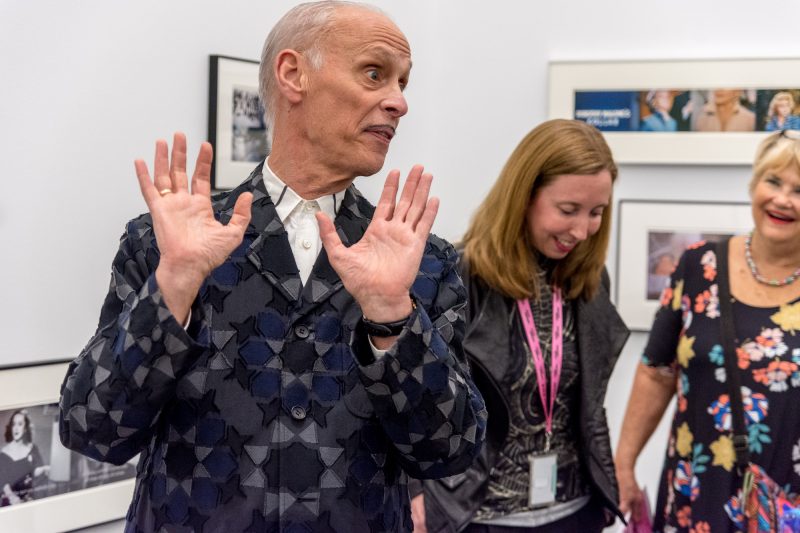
x=290, y=75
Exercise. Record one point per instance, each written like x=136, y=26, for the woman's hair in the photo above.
x=780, y=96
x=497, y=245
x=779, y=151
x=26, y=435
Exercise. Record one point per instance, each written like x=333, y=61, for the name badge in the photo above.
x=543, y=478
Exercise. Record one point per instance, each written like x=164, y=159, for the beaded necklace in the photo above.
x=757, y=275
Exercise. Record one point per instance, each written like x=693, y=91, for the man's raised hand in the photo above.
x=191, y=241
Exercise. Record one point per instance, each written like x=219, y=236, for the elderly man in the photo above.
x=285, y=355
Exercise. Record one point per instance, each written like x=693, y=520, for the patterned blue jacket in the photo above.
x=269, y=412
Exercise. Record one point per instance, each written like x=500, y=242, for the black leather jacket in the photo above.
x=450, y=503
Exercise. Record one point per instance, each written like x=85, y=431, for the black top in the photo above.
x=509, y=479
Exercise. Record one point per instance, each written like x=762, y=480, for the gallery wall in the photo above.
x=88, y=86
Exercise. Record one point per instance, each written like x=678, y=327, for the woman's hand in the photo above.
x=651, y=393
x=418, y=513
x=630, y=495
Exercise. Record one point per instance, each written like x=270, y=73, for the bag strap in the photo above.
x=740, y=443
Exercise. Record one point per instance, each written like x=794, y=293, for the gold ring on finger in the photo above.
x=164, y=192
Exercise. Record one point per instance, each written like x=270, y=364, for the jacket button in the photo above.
x=298, y=413
x=301, y=331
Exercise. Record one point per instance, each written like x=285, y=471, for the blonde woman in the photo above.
x=684, y=357
x=780, y=115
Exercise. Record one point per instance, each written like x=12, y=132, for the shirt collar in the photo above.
x=286, y=200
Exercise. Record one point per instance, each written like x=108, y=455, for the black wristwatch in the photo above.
x=383, y=329
x=386, y=329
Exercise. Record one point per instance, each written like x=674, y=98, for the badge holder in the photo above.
x=543, y=477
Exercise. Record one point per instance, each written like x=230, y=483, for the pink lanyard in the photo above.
x=538, y=358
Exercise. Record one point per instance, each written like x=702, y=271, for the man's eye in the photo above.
x=373, y=75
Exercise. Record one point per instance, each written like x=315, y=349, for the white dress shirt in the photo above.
x=297, y=216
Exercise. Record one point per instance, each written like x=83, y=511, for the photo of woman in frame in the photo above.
x=20, y=460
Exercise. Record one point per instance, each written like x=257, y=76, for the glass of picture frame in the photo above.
x=236, y=127
x=50, y=488
x=652, y=235
x=619, y=97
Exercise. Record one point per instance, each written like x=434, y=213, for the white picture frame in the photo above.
x=239, y=138
x=37, y=386
x=650, y=230
x=693, y=147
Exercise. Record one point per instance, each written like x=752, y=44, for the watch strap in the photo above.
x=384, y=329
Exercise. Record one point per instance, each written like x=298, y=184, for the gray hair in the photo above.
x=302, y=28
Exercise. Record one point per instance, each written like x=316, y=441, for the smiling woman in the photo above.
x=539, y=323
x=567, y=211
x=701, y=483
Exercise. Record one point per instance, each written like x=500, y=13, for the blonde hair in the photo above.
x=497, y=245
x=780, y=96
x=776, y=153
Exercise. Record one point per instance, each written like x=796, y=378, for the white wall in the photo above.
x=88, y=86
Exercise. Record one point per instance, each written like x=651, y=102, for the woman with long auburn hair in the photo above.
x=542, y=338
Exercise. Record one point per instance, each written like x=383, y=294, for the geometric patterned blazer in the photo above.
x=269, y=412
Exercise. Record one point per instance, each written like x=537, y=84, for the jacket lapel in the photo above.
x=351, y=223
x=265, y=238
x=601, y=336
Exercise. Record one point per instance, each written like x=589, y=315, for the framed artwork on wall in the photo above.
x=50, y=488
x=236, y=127
x=682, y=112
x=652, y=235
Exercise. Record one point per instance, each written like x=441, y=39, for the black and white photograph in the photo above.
x=249, y=131
x=236, y=127
x=35, y=465
x=44, y=487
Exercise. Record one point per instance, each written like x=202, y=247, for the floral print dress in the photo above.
x=699, y=477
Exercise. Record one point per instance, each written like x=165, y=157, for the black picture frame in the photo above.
x=236, y=127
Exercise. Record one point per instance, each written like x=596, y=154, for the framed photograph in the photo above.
x=44, y=487
x=651, y=238
x=236, y=127
x=683, y=112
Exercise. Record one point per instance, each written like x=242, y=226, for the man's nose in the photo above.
x=395, y=103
